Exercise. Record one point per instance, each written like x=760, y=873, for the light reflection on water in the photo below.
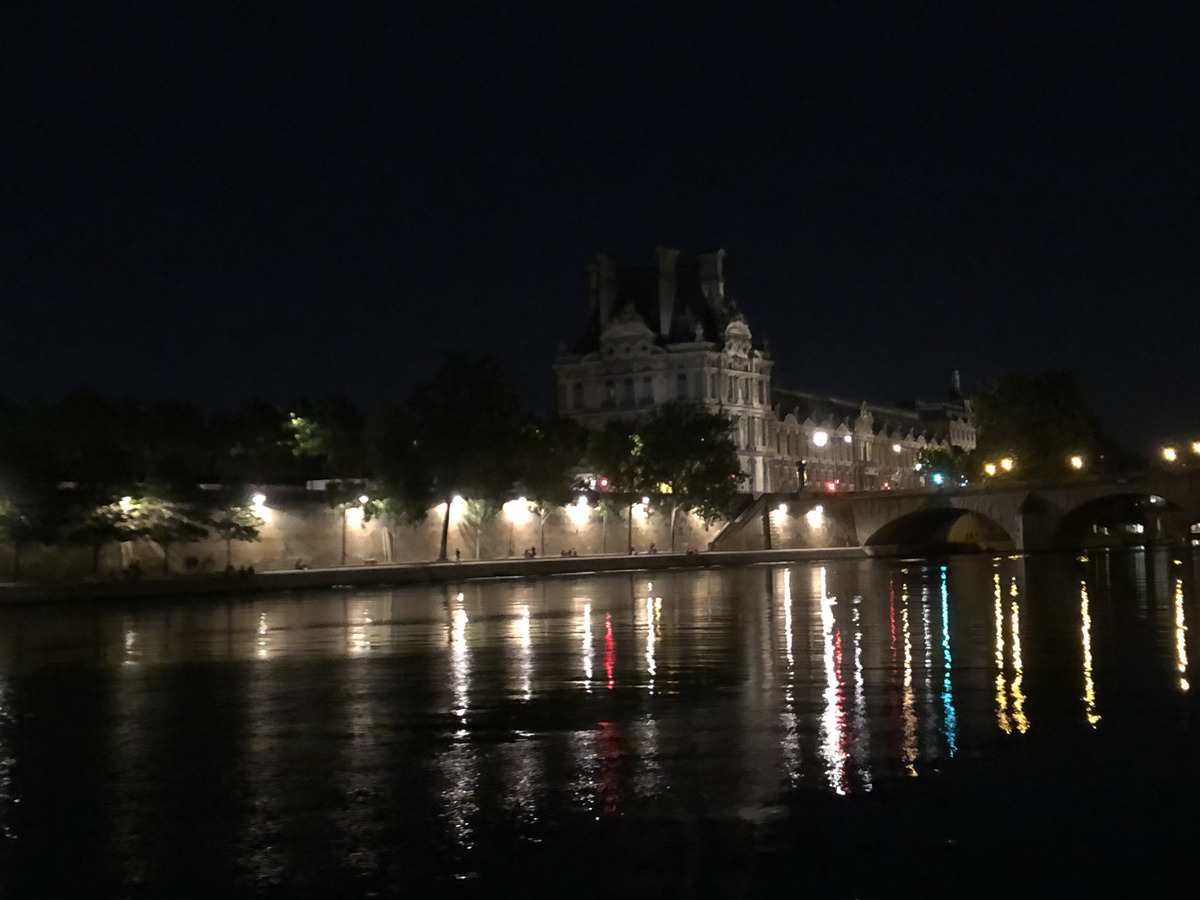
x=338, y=716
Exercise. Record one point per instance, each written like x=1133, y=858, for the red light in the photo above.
x=603, y=482
x=831, y=486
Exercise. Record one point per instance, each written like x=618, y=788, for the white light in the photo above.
x=517, y=511
x=847, y=438
x=820, y=438
x=354, y=517
x=363, y=498
x=126, y=504
x=815, y=516
x=782, y=509
x=259, y=499
x=579, y=511
x=645, y=501
x=896, y=448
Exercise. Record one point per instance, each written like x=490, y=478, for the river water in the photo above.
x=972, y=725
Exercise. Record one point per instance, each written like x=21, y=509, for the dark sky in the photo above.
x=281, y=200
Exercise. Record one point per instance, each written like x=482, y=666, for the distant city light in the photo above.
x=1006, y=464
x=831, y=486
x=938, y=478
x=603, y=482
x=1196, y=447
x=896, y=448
x=1169, y=454
x=363, y=498
x=820, y=438
x=989, y=469
x=847, y=438
x=1077, y=462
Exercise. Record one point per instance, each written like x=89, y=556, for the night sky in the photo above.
x=288, y=200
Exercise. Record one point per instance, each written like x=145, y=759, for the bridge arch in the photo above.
x=941, y=529
x=1124, y=517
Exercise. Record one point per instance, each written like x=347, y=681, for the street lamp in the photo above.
x=989, y=469
x=1076, y=462
x=1169, y=454
x=1006, y=464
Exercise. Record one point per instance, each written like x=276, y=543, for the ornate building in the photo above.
x=669, y=333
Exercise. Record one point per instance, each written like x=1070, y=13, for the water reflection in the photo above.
x=444, y=717
x=1181, y=659
x=949, y=716
x=1089, y=687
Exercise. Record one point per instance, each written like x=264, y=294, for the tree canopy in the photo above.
x=1040, y=422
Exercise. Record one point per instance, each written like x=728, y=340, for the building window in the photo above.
x=712, y=387
x=577, y=396
x=610, y=394
x=746, y=391
x=627, y=392
x=761, y=394
x=647, y=391
x=732, y=388
x=681, y=387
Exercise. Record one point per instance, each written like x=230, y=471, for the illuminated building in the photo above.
x=669, y=333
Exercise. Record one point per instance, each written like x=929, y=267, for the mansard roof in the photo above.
x=832, y=411
x=637, y=290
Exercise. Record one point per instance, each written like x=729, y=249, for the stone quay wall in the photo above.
x=301, y=530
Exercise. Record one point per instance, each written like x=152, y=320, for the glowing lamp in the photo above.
x=259, y=499
x=938, y=478
x=363, y=498
x=603, y=482
x=896, y=448
x=1169, y=454
x=1076, y=462
x=847, y=438
x=989, y=469
x=831, y=486
x=820, y=438
x=1006, y=464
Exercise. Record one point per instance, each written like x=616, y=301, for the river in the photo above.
x=970, y=725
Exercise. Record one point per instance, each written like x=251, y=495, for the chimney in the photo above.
x=712, y=279
x=606, y=288
x=667, y=262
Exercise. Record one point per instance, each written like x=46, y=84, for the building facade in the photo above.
x=669, y=333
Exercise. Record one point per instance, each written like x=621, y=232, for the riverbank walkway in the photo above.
x=397, y=574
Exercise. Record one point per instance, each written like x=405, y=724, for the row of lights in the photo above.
x=821, y=438
x=1005, y=465
x=1171, y=454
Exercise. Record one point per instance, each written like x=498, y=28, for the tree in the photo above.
x=167, y=522
x=943, y=465
x=690, y=454
x=615, y=452
x=609, y=510
x=1039, y=421
x=237, y=522
x=551, y=450
x=29, y=519
x=465, y=436
x=345, y=496
x=477, y=515
x=95, y=522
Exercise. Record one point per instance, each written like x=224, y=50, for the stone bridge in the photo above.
x=1156, y=507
